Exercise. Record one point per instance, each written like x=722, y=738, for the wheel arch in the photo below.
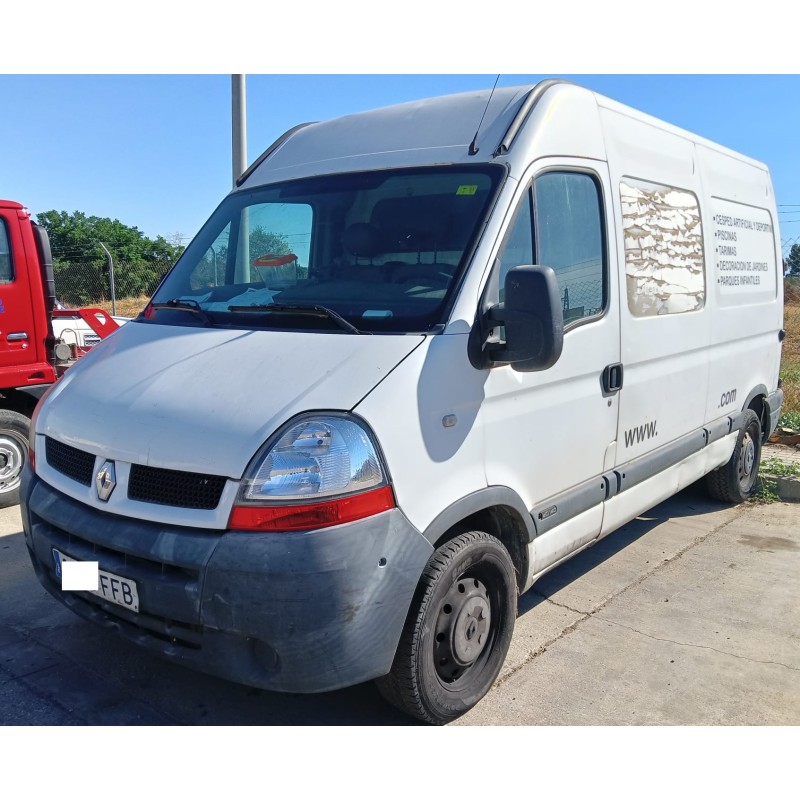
x=20, y=400
x=757, y=402
x=497, y=510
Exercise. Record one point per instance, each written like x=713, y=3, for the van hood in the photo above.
x=205, y=399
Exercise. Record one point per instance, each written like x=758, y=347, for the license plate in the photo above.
x=114, y=588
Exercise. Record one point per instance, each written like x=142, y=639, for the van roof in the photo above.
x=435, y=130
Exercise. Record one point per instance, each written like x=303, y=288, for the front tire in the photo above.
x=457, y=632
x=13, y=454
x=735, y=481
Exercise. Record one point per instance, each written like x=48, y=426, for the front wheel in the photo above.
x=457, y=632
x=13, y=452
x=735, y=481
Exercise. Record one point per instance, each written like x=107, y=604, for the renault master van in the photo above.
x=417, y=358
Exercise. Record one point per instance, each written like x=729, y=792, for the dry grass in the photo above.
x=126, y=306
x=790, y=362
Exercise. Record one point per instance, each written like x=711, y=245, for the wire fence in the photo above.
x=88, y=283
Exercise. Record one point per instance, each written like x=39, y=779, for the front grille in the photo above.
x=169, y=487
x=69, y=461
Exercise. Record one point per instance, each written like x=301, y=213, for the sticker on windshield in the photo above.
x=467, y=189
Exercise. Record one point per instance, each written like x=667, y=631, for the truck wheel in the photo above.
x=13, y=452
x=735, y=481
x=458, y=630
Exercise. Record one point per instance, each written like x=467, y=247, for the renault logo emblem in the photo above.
x=106, y=480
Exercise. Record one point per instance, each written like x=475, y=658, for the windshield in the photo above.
x=380, y=251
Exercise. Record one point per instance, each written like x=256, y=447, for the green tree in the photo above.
x=793, y=261
x=80, y=263
x=263, y=242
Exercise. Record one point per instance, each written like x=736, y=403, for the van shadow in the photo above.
x=690, y=502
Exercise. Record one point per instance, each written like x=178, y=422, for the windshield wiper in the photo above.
x=192, y=306
x=321, y=312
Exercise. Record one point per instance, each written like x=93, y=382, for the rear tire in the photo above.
x=457, y=632
x=13, y=454
x=735, y=481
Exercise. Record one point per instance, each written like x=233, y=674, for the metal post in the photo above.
x=238, y=126
x=111, y=280
x=239, y=150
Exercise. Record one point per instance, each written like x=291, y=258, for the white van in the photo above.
x=356, y=421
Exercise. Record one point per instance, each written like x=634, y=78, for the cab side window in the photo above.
x=569, y=238
x=559, y=224
x=6, y=266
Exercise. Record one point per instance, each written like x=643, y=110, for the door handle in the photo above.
x=20, y=336
x=612, y=378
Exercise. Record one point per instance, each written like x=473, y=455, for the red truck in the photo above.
x=32, y=355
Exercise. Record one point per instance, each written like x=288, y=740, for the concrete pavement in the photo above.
x=689, y=615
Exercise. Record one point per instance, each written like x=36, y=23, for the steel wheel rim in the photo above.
x=13, y=451
x=464, y=635
x=747, y=461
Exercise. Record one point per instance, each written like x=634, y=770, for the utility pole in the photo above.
x=239, y=151
x=111, y=279
x=238, y=126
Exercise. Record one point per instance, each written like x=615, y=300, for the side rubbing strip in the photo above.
x=561, y=507
x=736, y=421
x=640, y=469
x=569, y=504
x=718, y=429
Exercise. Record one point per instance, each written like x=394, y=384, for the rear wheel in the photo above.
x=13, y=453
x=458, y=630
x=735, y=481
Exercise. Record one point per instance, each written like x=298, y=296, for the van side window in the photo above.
x=6, y=266
x=569, y=238
x=664, y=264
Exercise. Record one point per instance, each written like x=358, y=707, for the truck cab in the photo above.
x=32, y=354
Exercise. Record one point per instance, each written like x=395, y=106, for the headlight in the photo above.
x=321, y=470
x=32, y=426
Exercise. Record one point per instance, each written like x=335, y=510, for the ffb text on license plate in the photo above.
x=114, y=588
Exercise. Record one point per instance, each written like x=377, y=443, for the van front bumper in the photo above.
x=292, y=612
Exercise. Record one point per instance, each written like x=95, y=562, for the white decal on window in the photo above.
x=664, y=262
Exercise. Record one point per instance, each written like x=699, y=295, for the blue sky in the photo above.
x=154, y=150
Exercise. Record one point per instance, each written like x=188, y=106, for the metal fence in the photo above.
x=89, y=283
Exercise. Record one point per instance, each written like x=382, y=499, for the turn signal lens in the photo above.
x=309, y=517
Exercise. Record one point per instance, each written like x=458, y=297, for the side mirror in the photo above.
x=533, y=319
